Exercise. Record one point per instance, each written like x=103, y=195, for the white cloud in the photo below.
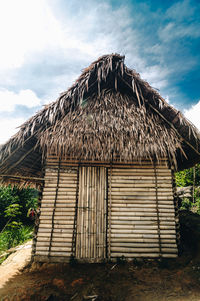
x=39, y=36
x=8, y=127
x=156, y=76
x=34, y=30
x=9, y=100
x=26, y=27
x=174, y=31
x=193, y=114
x=181, y=10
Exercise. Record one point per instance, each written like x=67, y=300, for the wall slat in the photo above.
x=91, y=230
x=64, y=211
x=134, y=215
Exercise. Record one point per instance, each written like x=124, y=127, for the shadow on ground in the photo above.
x=174, y=279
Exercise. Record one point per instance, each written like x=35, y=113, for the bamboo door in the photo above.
x=91, y=214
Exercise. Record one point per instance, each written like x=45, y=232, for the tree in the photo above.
x=15, y=202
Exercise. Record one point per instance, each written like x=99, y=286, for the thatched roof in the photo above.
x=109, y=113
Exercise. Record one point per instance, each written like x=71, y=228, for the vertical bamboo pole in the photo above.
x=176, y=209
x=84, y=212
x=193, y=186
x=81, y=211
x=54, y=207
x=89, y=212
x=106, y=224
x=75, y=233
x=95, y=212
x=105, y=213
x=110, y=205
x=101, y=214
x=37, y=220
x=78, y=245
x=92, y=214
x=157, y=209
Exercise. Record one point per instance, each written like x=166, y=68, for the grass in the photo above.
x=10, y=238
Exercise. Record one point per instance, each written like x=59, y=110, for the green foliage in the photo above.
x=186, y=204
x=12, y=210
x=15, y=224
x=15, y=203
x=186, y=177
x=14, y=236
x=190, y=177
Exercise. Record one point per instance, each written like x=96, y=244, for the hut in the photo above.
x=104, y=154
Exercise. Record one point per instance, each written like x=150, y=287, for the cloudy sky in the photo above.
x=46, y=43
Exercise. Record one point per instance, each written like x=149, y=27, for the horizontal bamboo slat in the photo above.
x=143, y=249
x=144, y=255
x=134, y=222
x=63, y=213
x=66, y=240
x=54, y=249
x=46, y=253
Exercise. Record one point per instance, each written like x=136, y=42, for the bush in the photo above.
x=15, y=203
x=14, y=236
x=16, y=226
x=186, y=204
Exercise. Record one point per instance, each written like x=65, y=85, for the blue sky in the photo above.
x=46, y=43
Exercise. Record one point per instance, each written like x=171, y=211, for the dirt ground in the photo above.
x=18, y=259
x=174, y=279
x=156, y=281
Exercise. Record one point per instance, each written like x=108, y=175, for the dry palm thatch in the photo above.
x=110, y=112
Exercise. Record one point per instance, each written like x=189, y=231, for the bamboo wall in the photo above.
x=91, y=218
x=142, y=217
x=95, y=211
x=54, y=237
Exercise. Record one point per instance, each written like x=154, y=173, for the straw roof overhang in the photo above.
x=107, y=101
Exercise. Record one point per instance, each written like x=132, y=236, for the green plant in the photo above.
x=186, y=177
x=15, y=226
x=14, y=200
x=186, y=204
x=14, y=235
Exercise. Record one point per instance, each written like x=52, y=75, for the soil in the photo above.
x=19, y=258
x=139, y=280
